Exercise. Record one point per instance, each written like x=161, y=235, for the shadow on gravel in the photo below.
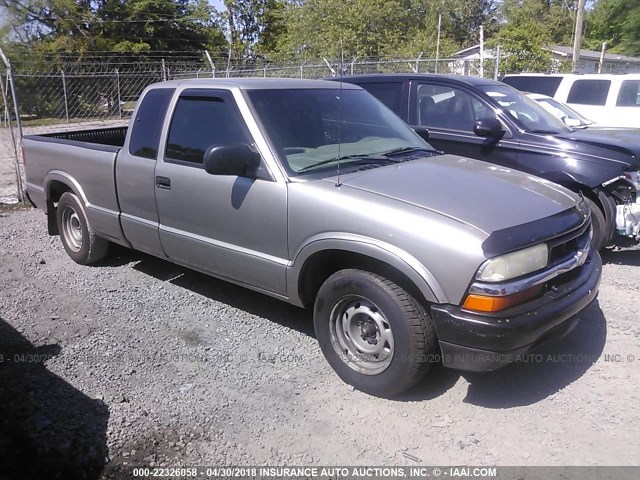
x=541, y=374
x=48, y=429
x=545, y=371
x=621, y=257
x=235, y=296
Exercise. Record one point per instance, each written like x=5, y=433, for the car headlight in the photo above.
x=514, y=264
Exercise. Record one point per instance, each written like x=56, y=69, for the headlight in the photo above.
x=514, y=264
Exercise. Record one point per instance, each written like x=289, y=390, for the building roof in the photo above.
x=592, y=54
x=558, y=50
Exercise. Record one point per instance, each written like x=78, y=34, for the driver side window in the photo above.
x=446, y=107
x=200, y=122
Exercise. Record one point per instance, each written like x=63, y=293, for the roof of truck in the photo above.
x=250, y=83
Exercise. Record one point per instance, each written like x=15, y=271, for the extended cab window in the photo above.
x=203, y=119
x=145, y=134
x=629, y=95
x=589, y=92
x=389, y=93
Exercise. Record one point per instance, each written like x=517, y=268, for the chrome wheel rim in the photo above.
x=361, y=335
x=72, y=229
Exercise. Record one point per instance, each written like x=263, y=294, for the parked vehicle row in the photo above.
x=491, y=121
x=612, y=99
x=317, y=194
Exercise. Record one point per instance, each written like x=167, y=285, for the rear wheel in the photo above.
x=77, y=235
x=599, y=225
x=373, y=333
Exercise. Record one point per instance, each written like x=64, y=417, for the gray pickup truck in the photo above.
x=317, y=194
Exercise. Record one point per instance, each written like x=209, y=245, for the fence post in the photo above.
x=496, y=73
x=352, y=63
x=213, y=66
x=164, y=71
x=64, y=91
x=301, y=69
x=6, y=103
x=15, y=144
x=14, y=94
x=119, y=98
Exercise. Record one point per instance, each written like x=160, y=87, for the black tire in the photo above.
x=414, y=346
x=599, y=226
x=78, y=237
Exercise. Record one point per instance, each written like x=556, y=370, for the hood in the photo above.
x=625, y=142
x=484, y=196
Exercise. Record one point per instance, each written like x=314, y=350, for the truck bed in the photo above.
x=83, y=160
x=101, y=136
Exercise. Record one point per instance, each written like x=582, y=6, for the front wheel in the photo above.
x=598, y=225
x=373, y=333
x=77, y=235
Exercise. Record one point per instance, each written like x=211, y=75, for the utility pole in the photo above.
x=604, y=48
x=577, y=38
x=481, y=72
x=438, y=41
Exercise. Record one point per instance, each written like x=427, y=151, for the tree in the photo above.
x=381, y=27
x=463, y=19
x=524, y=36
x=133, y=26
x=254, y=25
x=616, y=22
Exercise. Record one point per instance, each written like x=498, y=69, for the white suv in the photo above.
x=611, y=100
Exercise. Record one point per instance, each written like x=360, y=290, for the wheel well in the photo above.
x=592, y=195
x=322, y=265
x=55, y=191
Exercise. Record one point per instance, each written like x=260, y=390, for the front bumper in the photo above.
x=480, y=342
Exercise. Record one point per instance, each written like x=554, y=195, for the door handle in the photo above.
x=163, y=182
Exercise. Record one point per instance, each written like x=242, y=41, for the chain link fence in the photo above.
x=40, y=97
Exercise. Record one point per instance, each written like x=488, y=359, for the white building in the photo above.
x=466, y=61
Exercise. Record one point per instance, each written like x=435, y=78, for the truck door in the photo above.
x=135, y=167
x=230, y=226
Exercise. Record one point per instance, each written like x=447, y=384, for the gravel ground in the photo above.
x=140, y=362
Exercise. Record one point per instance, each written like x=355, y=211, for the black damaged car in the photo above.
x=491, y=121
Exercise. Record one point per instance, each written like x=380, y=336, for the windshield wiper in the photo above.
x=359, y=157
x=397, y=151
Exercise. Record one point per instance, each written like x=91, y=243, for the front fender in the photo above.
x=369, y=247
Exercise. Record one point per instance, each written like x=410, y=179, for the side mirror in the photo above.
x=488, y=127
x=571, y=122
x=236, y=159
x=422, y=131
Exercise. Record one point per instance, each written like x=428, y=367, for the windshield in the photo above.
x=312, y=129
x=526, y=112
x=560, y=110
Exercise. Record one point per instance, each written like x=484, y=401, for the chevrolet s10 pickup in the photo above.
x=317, y=194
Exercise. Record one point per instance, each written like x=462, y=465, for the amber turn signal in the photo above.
x=485, y=303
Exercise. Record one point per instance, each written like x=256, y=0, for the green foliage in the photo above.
x=530, y=26
x=128, y=26
x=254, y=25
x=616, y=22
x=363, y=28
